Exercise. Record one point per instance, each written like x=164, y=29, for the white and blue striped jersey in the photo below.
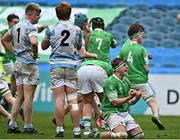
x=65, y=39
x=21, y=33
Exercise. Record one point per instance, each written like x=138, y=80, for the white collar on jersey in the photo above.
x=63, y=21
x=27, y=20
x=133, y=42
x=98, y=29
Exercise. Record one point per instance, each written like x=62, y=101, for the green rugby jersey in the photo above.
x=106, y=66
x=9, y=56
x=115, y=88
x=136, y=57
x=100, y=42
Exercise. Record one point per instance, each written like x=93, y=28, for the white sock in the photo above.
x=59, y=129
x=13, y=124
x=28, y=125
x=77, y=131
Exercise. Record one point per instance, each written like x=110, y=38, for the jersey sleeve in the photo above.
x=47, y=34
x=113, y=42
x=78, y=40
x=32, y=31
x=111, y=92
x=145, y=56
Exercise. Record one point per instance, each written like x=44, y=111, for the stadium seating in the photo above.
x=159, y=23
x=162, y=33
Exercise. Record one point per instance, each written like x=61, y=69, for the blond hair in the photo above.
x=32, y=7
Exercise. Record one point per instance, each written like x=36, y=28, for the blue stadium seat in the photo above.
x=121, y=27
x=169, y=21
x=147, y=21
x=154, y=13
x=172, y=13
x=174, y=36
x=127, y=20
x=141, y=7
x=162, y=29
x=134, y=14
x=148, y=43
x=155, y=36
x=169, y=44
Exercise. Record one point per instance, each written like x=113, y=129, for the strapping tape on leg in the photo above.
x=121, y=135
x=74, y=107
x=138, y=135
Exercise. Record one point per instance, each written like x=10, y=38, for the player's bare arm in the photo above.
x=45, y=44
x=34, y=45
x=6, y=41
x=119, y=101
x=86, y=54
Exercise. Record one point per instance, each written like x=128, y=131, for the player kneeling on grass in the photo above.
x=115, y=106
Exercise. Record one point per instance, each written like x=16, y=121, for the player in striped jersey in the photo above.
x=65, y=40
x=24, y=35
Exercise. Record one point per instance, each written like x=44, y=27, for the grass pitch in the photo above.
x=42, y=122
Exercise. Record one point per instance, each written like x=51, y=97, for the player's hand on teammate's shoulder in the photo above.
x=41, y=28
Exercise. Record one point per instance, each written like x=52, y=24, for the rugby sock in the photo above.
x=81, y=122
x=156, y=116
x=77, y=131
x=59, y=129
x=13, y=124
x=87, y=121
x=28, y=125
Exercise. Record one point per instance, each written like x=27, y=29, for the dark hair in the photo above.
x=97, y=22
x=10, y=17
x=63, y=10
x=117, y=61
x=135, y=28
x=32, y=7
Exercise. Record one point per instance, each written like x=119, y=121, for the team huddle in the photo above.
x=81, y=71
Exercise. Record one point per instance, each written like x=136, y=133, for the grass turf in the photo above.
x=42, y=122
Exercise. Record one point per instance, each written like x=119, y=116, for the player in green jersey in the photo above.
x=9, y=59
x=137, y=60
x=100, y=41
x=116, y=102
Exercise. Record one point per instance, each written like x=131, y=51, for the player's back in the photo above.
x=100, y=43
x=134, y=54
x=65, y=39
x=21, y=33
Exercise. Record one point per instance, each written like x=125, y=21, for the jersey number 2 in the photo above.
x=65, y=34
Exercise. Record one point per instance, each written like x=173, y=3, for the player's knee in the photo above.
x=72, y=97
x=121, y=135
x=139, y=135
x=72, y=101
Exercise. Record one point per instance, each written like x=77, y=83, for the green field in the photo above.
x=42, y=122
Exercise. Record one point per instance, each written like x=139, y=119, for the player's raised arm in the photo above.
x=46, y=40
